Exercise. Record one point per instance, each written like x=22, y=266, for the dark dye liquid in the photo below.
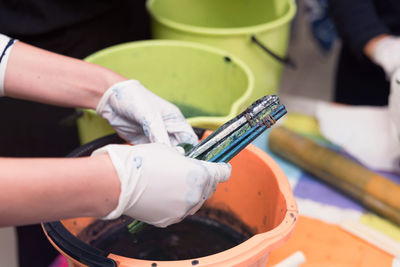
x=196, y=236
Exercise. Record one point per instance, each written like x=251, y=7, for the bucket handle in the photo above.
x=76, y=248
x=284, y=60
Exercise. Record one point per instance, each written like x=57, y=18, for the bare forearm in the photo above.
x=36, y=190
x=38, y=75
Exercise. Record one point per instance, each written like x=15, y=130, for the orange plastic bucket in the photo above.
x=258, y=193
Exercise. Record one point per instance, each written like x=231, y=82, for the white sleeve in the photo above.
x=6, y=44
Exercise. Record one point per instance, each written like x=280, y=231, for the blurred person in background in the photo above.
x=367, y=80
x=370, y=52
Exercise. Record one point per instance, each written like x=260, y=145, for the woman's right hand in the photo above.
x=159, y=185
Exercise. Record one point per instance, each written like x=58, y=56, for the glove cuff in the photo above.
x=119, y=155
x=104, y=101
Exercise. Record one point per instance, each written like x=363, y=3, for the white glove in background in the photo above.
x=159, y=185
x=394, y=100
x=387, y=54
x=367, y=133
x=139, y=116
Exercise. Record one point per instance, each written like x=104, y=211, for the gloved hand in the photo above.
x=139, y=116
x=367, y=133
x=394, y=101
x=159, y=185
x=386, y=54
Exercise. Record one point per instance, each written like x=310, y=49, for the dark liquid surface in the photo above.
x=196, y=236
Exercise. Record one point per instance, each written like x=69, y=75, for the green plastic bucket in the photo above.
x=209, y=85
x=246, y=28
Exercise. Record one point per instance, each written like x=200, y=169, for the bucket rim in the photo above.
x=236, y=107
x=261, y=243
x=288, y=16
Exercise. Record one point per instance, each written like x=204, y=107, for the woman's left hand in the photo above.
x=139, y=116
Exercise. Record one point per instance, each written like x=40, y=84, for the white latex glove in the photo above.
x=159, y=185
x=394, y=101
x=386, y=54
x=365, y=132
x=139, y=116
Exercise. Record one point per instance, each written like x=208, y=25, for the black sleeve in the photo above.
x=357, y=22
